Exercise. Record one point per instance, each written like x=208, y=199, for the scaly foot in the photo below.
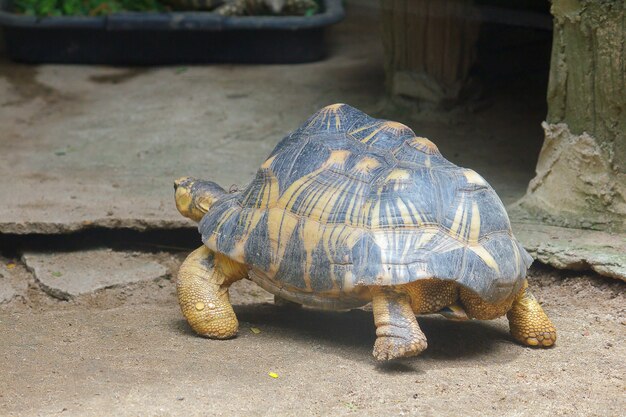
x=398, y=333
x=528, y=322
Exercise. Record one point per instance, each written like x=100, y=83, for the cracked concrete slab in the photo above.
x=7, y=291
x=96, y=146
x=575, y=249
x=11, y=285
x=66, y=275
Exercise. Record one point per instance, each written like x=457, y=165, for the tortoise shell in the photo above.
x=347, y=201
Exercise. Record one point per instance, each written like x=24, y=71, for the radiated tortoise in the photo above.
x=349, y=210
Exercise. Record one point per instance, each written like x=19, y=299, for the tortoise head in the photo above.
x=195, y=197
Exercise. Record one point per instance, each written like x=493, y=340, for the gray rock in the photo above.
x=66, y=275
x=577, y=249
x=7, y=292
x=11, y=285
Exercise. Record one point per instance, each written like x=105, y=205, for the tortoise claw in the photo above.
x=389, y=347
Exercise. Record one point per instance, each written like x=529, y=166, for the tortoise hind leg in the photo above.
x=528, y=322
x=397, y=331
x=202, y=288
x=477, y=308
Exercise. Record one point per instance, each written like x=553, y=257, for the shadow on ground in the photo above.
x=352, y=333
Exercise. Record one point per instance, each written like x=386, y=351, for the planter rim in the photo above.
x=174, y=21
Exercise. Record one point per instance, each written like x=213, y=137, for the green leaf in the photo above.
x=83, y=7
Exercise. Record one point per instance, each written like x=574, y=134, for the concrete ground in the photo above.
x=97, y=147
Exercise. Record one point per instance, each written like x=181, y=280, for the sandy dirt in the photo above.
x=127, y=351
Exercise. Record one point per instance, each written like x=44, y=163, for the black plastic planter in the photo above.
x=167, y=38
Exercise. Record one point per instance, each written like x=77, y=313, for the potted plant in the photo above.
x=147, y=32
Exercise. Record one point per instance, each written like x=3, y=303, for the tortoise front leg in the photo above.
x=397, y=331
x=528, y=322
x=202, y=287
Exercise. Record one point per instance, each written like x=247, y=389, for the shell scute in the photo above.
x=333, y=118
x=382, y=134
x=421, y=156
x=255, y=252
x=320, y=270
